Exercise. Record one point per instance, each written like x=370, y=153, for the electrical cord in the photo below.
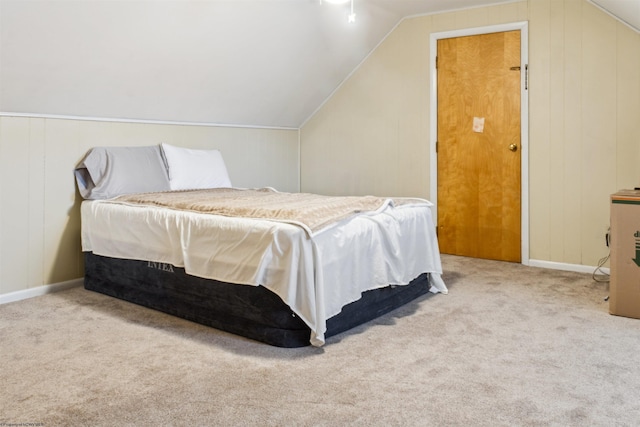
x=603, y=277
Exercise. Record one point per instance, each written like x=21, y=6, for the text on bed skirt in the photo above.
x=160, y=266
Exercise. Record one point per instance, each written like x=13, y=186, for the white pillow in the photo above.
x=191, y=169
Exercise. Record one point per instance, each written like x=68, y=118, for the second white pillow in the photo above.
x=191, y=169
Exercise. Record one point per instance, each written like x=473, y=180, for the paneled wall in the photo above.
x=585, y=126
x=39, y=202
x=372, y=136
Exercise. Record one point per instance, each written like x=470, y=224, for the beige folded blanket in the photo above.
x=312, y=211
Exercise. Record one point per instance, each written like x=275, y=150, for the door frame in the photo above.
x=524, y=119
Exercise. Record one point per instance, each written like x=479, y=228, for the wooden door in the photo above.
x=479, y=182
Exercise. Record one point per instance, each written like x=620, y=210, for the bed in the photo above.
x=286, y=269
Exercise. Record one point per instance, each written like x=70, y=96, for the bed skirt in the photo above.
x=250, y=311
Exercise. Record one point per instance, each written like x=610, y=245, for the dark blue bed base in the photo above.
x=250, y=311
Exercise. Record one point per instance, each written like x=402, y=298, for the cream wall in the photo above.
x=39, y=203
x=372, y=135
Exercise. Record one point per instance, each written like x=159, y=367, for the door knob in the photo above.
x=513, y=147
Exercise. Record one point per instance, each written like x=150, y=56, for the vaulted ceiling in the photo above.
x=236, y=62
x=628, y=11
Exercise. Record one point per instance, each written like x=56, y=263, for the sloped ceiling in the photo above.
x=237, y=62
x=628, y=11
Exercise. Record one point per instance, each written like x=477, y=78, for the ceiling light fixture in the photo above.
x=351, y=18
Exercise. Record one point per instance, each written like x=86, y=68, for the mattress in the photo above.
x=250, y=311
x=316, y=274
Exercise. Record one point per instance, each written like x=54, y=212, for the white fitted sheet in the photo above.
x=315, y=275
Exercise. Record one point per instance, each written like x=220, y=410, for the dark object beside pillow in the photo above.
x=107, y=172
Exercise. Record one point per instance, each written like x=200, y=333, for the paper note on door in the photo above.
x=478, y=124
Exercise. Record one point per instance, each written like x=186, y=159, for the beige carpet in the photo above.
x=510, y=345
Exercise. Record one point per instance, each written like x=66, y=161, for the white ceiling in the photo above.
x=237, y=62
x=627, y=11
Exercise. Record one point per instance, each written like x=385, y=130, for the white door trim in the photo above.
x=524, y=119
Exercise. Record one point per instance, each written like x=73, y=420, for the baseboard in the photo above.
x=39, y=291
x=566, y=267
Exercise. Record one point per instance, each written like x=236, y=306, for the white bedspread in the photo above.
x=316, y=276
